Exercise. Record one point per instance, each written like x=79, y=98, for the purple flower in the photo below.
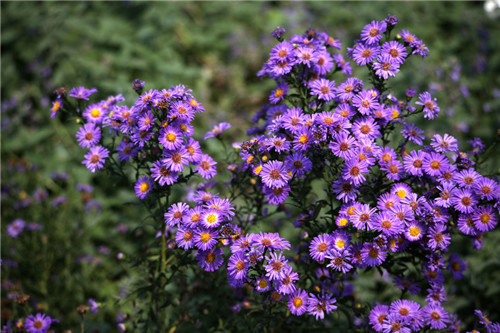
x=396, y=51
x=126, y=150
x=435, y=316
x=205, y=239
x=414, y=231
x=297, y=302
x=82, y=93
x=238, y=266
x=434, y=164
x=339, y=260
x=385, y=66
x=320, y=246
x=438, y=239
x=279, y=93
x=95, y=113
x=138, y=85
x=365, y=54
x=143, y=186
x=56, y=106
x=365, y=102
x=324, y=89
x=206, y=167
x=276, y=195
x=464, y=201
x=319, y=305
x=275, y=268
x=353, y=171
x=487, y=189
x=217, y=130
x=430, y=107
x=40, y=323
x=89, y=135
x=377, y=316
x=94, y=307
x=95, y=158
x=175, y=214
x=278, y=33
x=298, y=164
x=413, y=162
x=372, y=33
x=210, y=260
x=162, y=174
x=393, y=323
x=175, y=160
x=387, y=224
x=413, y=133
x=286, y=285
x=323, y=62
x=444, y=144
x=146, y=98
x=342, y=145
x=171, y=138
x=15, y=228
x=485, y=218
x=274, y=174
x=365, y=128
x=373, y=255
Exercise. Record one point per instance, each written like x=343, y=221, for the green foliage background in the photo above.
x=214, y=48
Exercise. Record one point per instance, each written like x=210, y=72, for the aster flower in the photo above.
x=438, y=239
x=430, y=107
x=373, y=255
x=414, y=231
x=275, y=268
x=278, y=93
x=372, y=33
x=365, y=54
x=205, y=239
x=324, y=89
x=146, y=121
x=176, y=159
x=95, y=113
x=143, y=186
x=163, y=175
x=387, y=223
x=444, y=144
x=464, y=201
x=435, y=316
x=278, y=143
x=262, y=284
x=82, y=93
x=95, y=158
x=297, y=302
x=486, y=188
x=286, y=285
x=304, y=55
x=88, y=135
x=274, y=174
x=353, y=171
x=293, y=119
x=217, y=130
x=434, y=164
x=238, y=266
x=409, y=311
x=345, y=190
x=404, y=283
x=146, y=98
x=456, y=266
x=385, y=66
x=319, y=247
x=15, y=228
x=56, y=106
x=365, y=128
x=138, y=85
x=39, y=323
x=339, y=260
x=366, y=102
x=413, y=162
x=362, y=216
x=298, y=164
x=323, y=62
x=413, y=133
x=303, y=139
x=276, y=195
x=210, y=260
x=170, y=138
x=485, y=219
x=184, y=238
x=393, y=169
x=393, y=323
x=270, y=241
x=319, y=305
x=206, y=167
x=377, y=316
x=396, y=51
x=347, y=90
x=175, y=213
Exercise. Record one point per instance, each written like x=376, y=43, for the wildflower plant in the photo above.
x=333, y=154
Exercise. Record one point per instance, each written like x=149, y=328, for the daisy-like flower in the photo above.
x=217, y=130
x=270, y=241
x=385, y=66
x=304, y=55
x=353, y=171
x=435, y=316
x=414, y=231
x=345, y=190
x=303, y=139
x=372, y=33
x=377, y=316
x=486, y=188
x=464, y=201
x=466, y=178
x=143, y=186
x=82, y=93
x=365, y=128
x=238, y=266
x=297, y=302
x=95, y=113
x=278, y=93
x=430, y=107
x=386, y=223
x=276, y=195
x=210, y=260
x=438, y=239
x=39, y=323
x=413, y=162
x=373, y=255
x=342, y=145
x=393, y=323
x=262, y=284
x=274, y=174
x=434, y=164
x=175, y=213
x=171, y=138
x=88, y=135
x=339, y=260
x=319, y=247
x=282, y=51
x=298, y=164
x=322, y=61
x=406, y=309
x=176, y=159
x=278, y=143
x=146, y=121
x=366, y=102
x=206, y=167
x=365, y=54
x=485, y=218
x=395, y=50
x=205, y=239
x=444, y=144
x=293, y=119
x=347, y=90
x=286, y=285
x=184, y=238
x=413, y=133
x=275, y=268
x=95, y=158
x=362, y=216
x=393, y=169
x=324, y=89
x=211, y=218
x=15, y=228
x=319, y=305
x=162, y=174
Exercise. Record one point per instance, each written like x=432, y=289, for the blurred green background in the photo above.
x=216, y=49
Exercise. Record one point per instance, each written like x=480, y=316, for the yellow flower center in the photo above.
x=95, y=113
x=414, y=231
x=144, y=187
